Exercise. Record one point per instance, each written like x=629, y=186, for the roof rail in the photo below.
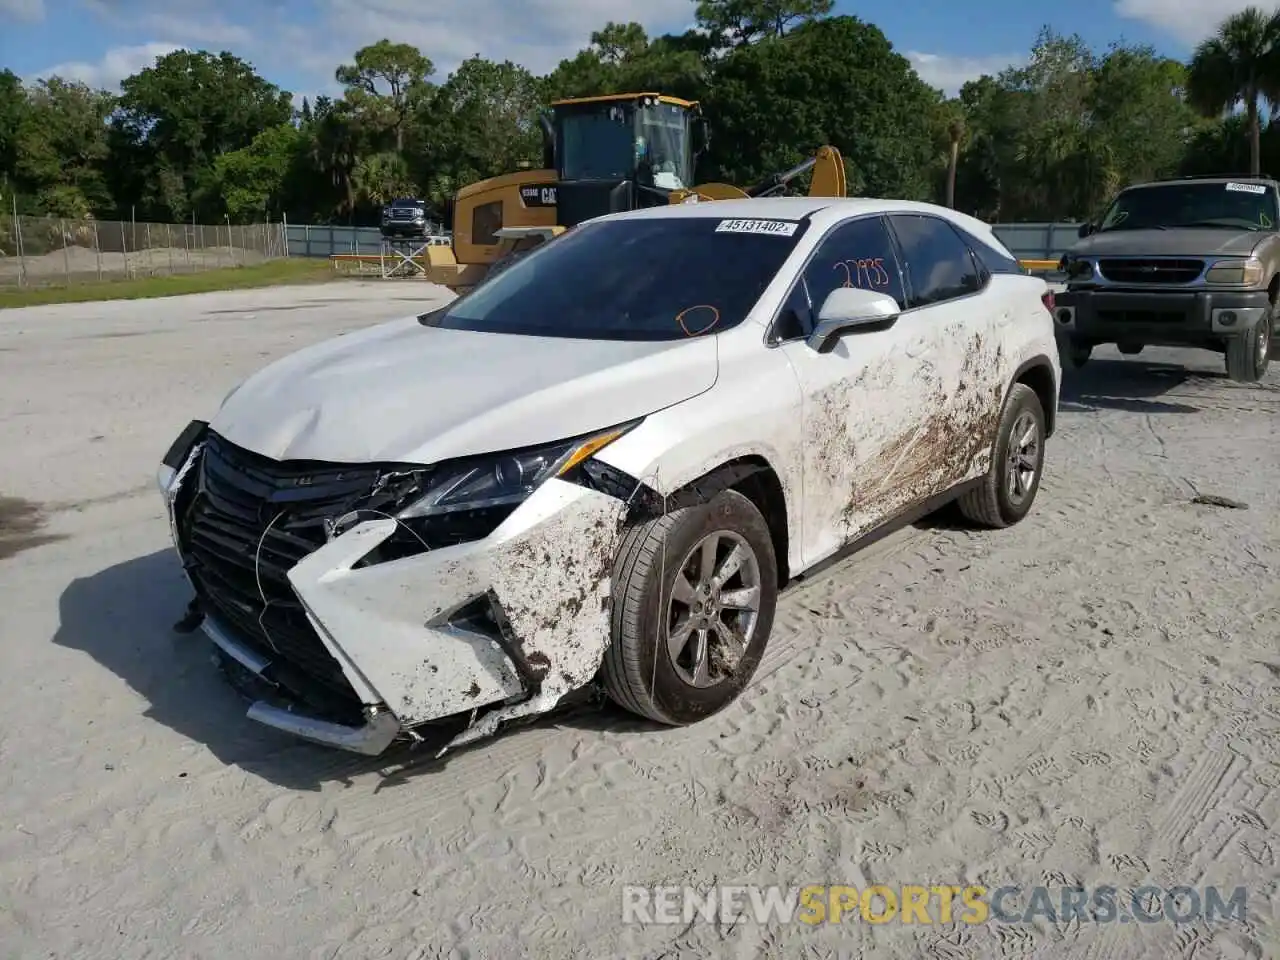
x=1227, y=176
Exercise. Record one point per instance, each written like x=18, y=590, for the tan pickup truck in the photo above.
x=1193, y=262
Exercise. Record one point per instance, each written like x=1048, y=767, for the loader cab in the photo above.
x=621, y=152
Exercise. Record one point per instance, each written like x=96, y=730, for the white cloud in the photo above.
x=1189, y=21
x=949, y=73
x=27, y=11
x=303, y=54
x=534, y=33
x=212, y=34
x=116, y=64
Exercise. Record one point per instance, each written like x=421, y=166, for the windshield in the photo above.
x=1249, y=206
x=634, y=279
x=597, y=143
x=662, y=147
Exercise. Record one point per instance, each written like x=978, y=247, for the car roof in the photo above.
x=1211, y=180
x=824, y=211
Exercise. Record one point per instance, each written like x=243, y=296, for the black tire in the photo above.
x=994, y=503
x=1130, y=349
x=1076, y=354
x=638, y=672
x=1249, y=356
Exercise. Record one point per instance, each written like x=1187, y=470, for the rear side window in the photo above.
x=938, y=263
x=995, y=261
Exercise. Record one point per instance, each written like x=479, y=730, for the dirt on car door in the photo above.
x=860, y=398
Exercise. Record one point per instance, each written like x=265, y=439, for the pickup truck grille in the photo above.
x=1150, y=271
x=251, y=520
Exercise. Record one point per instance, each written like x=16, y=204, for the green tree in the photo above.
x=733, y=22
x=62, y=148
x=1138, y=112
x=13, y=108
x=484, y=120
x=623, y=59
x=385, y=83
x=255, y=182
x=1240, y=64
x=176, y=117
x=835, y=80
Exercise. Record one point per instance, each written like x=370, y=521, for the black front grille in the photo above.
x=1150, y=270
x=252, y=519
x=1141, y=316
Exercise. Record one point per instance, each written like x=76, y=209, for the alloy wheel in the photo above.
x=713, y=609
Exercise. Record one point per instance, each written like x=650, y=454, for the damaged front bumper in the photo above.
x=487, y=631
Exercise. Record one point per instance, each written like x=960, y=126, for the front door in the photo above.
x=859, y=400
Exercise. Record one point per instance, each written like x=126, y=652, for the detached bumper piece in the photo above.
x=372, y=737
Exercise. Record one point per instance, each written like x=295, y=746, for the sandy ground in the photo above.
x=1090, y=697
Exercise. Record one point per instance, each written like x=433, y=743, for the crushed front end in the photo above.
x=366, y=615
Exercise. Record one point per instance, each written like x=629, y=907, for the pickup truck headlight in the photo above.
x=1077, y=269
x=1237, y=273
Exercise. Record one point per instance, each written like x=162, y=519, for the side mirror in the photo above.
x=1085, y=230
x=851, y=310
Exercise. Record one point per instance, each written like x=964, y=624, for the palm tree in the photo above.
x=1240, y=64
x=955, y=133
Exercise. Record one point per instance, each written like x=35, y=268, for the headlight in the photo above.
x=466, y=500
x=1237, y=273
x=504, y=479
x=1078, y=269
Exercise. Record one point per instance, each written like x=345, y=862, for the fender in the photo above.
x=1037, y=362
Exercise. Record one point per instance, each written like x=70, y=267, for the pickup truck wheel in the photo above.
x=1077, y=354
x=1248, y=356
x=694, y=593
x=1006, y=493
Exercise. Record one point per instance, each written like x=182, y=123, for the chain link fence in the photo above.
x=47, y=251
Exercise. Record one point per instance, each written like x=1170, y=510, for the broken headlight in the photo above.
x=466, y=500
x=503, y=479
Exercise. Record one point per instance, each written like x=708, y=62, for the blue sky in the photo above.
x=297, y=43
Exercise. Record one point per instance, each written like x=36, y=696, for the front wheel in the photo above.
x=694, y=593
x=1005, y=494
x=1248, y=356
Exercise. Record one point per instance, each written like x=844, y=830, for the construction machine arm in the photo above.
x=828, y=176
x=776, y=181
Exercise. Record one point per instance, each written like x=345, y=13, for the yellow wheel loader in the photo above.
x=600, y=155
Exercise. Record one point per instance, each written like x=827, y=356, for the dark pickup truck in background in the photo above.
x=1191, y=262
x=406, y=217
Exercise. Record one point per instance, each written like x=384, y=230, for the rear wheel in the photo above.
x=694, y=597
x=1249, y=356
x=1006, y=493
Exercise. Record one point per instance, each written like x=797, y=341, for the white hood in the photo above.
x=404, y=392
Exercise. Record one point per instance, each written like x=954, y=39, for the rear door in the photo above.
x=957, y=341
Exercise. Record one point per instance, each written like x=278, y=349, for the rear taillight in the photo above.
x=1047, y=299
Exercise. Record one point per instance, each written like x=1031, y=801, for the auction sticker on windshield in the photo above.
x=1246, y=187
x=781, y=228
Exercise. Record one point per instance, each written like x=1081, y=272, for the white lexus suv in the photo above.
x=601, y=466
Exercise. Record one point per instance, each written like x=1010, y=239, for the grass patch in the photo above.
x=270, y=274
